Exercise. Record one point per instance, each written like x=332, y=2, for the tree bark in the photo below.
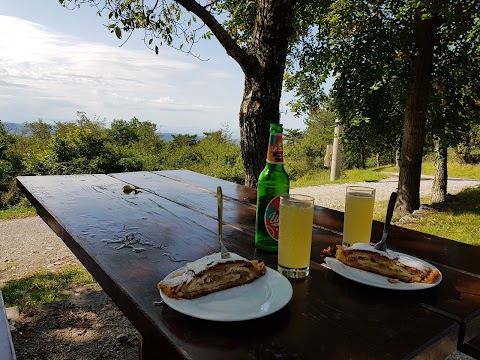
x=415, y=115
x=263, y=63
x=363, y=164
x=439, y=187
x=263, y=82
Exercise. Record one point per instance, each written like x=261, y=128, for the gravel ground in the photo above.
x=90, y=326
x=333, y=196
x=86, y=327
x=27, y=245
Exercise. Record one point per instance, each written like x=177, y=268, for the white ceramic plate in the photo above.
x=262, y=297
x=368, y=278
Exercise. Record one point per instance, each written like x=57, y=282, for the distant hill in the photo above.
x=13, y=128
x=16, y=128
x=167, y=136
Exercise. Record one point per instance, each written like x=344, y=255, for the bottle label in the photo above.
x=272, y=217
x=275, y=149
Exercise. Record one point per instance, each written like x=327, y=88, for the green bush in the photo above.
x=10, y=167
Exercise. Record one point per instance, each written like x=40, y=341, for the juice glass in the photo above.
x=357, y=225
x=295, y=235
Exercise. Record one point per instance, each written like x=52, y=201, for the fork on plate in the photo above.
x=224, y=251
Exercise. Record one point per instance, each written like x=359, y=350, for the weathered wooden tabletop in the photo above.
x=174, y=218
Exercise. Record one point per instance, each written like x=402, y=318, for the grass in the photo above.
x=322, y=177
x=456, y=219
x=455, y=170
x=44, y=286
x=16, y=212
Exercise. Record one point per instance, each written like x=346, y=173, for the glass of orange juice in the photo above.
x=295, y=235
x=357, y=224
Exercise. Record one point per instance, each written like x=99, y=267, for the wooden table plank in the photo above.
x=198, y=198
x=230, y=189
x=439, y=251
x=325, y=319
x=327, y=312
x=429, y=247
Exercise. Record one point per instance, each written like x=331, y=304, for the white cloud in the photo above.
x=165, y=100
x=34, y=54
x=220, y=74
x=39, y=67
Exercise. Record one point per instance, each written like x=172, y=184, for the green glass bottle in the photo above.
x=272, y=183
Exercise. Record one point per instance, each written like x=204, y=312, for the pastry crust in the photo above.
x=403, y=268
x=211, y=274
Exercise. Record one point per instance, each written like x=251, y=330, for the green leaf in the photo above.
x=118, y=32
x=156, y=49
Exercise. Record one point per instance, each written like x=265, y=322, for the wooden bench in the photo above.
x=471, y=348
x=7, y=351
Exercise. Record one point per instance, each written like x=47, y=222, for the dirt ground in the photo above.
x=87, y=326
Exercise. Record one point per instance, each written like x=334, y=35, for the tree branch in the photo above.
x=246, y=61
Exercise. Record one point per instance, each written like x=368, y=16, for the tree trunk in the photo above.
x=263, y=82
x=415, y=116
x=439, y=187
x=263, y=63
x=362, y=159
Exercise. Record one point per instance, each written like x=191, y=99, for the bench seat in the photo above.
x=7, y=351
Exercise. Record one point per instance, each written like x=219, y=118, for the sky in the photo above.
x=55, y=62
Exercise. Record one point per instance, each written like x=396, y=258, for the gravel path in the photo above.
x=27, y=245
x=333, y=196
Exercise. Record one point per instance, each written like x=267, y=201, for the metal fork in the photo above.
x=382, y=244
x=223, y=249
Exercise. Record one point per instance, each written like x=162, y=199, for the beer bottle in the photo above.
x=272, y=183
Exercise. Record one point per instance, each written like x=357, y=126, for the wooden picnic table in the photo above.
x=174, y=217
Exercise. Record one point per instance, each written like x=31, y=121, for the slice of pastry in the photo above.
x=210, y=274
x=404, y=268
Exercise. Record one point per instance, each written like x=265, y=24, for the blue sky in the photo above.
x=55, y=62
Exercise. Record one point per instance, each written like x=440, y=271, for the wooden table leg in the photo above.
x=151, y=349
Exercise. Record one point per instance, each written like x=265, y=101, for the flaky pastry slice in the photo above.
x=404, y=268
x=210, y=274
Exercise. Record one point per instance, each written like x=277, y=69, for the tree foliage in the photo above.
x=88, y=146
x=305, y=151
x=256, y=34
x=10, y=164
x=401, y=71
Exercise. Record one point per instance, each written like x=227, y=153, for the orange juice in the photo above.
x=357, y=226
x=295, y=233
